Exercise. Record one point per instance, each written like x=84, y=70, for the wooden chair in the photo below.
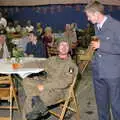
x=84, y=59
x=69, y=103
x=52, y=51
x=7, y=92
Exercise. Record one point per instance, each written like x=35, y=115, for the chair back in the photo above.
x=71, y=97
x=84, y=59
x=52, y=51
x=74, y=78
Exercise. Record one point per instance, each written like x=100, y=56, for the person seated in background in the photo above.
x=10, y=27
x=3, y=47
x=39, y=29
x=3, y=22
x=43, y=93
x=48, y=38
x=35, y=47
x=17, y=26
x=70, y=35
x=29, y=27
x=23, y=42
x=74, y=37
x=74, y=26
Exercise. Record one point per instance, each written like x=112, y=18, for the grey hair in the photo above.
x=94, y=6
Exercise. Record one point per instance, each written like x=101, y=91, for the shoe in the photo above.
x=68, y=115
x=33, y=116
x=38, y=109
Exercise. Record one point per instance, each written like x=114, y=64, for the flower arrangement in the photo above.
x=17, y=54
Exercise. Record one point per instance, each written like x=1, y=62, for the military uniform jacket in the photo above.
x=58, y=79
x=57, y=82
x=106, y=61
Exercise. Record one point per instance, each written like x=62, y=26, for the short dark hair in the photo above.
x=95, y=6
x=32, y=32
x=62, y=39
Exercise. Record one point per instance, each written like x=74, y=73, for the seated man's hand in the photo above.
x=40, y=87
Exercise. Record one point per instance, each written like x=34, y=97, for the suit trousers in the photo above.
x=107, y=93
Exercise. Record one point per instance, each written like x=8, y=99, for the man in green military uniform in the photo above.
x=56, y=83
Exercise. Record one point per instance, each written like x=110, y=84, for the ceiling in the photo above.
x=47, y=2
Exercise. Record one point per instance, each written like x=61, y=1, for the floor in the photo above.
x=87, y=104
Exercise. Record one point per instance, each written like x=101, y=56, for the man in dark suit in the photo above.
x=35, y=47
x=106, y=61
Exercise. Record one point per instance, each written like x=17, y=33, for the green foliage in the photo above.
x=17, y=53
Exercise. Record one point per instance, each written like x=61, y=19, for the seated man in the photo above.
x=53, y=88
x=35, y=47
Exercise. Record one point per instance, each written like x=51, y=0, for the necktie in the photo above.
x=99, y=27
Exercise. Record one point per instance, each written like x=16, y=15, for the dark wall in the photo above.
x=55, y=15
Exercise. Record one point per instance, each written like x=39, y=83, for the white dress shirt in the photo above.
x=99, y=26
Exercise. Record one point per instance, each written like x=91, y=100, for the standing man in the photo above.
x=106, y=61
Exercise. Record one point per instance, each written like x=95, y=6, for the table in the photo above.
x=6, y=68
x=23, y=72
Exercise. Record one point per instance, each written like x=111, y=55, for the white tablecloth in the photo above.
x=6, y=68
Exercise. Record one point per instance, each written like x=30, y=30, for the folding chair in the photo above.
x=66, y=103
x=84, y=59
x=8, y=92
x=52, y=51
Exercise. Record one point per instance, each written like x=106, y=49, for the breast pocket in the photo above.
x=108, y=35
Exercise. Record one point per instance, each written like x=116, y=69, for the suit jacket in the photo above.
x=37, y=50
x=106, y=61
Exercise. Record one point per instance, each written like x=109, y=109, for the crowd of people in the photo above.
x=35, y=40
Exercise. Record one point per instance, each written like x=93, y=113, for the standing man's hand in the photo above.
x=95, y=44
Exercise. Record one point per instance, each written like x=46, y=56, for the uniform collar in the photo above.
x=101, y=24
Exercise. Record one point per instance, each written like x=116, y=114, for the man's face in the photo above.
x=31, y=37
x=67, y=27
x=92, y=17
x=63, y=48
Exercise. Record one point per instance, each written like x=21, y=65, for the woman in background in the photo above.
x=48, y=38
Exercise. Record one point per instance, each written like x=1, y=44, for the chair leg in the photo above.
x=64, y=109
x=11, y=90
x=76, y=106
x=14, y=94
x=66, y=105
